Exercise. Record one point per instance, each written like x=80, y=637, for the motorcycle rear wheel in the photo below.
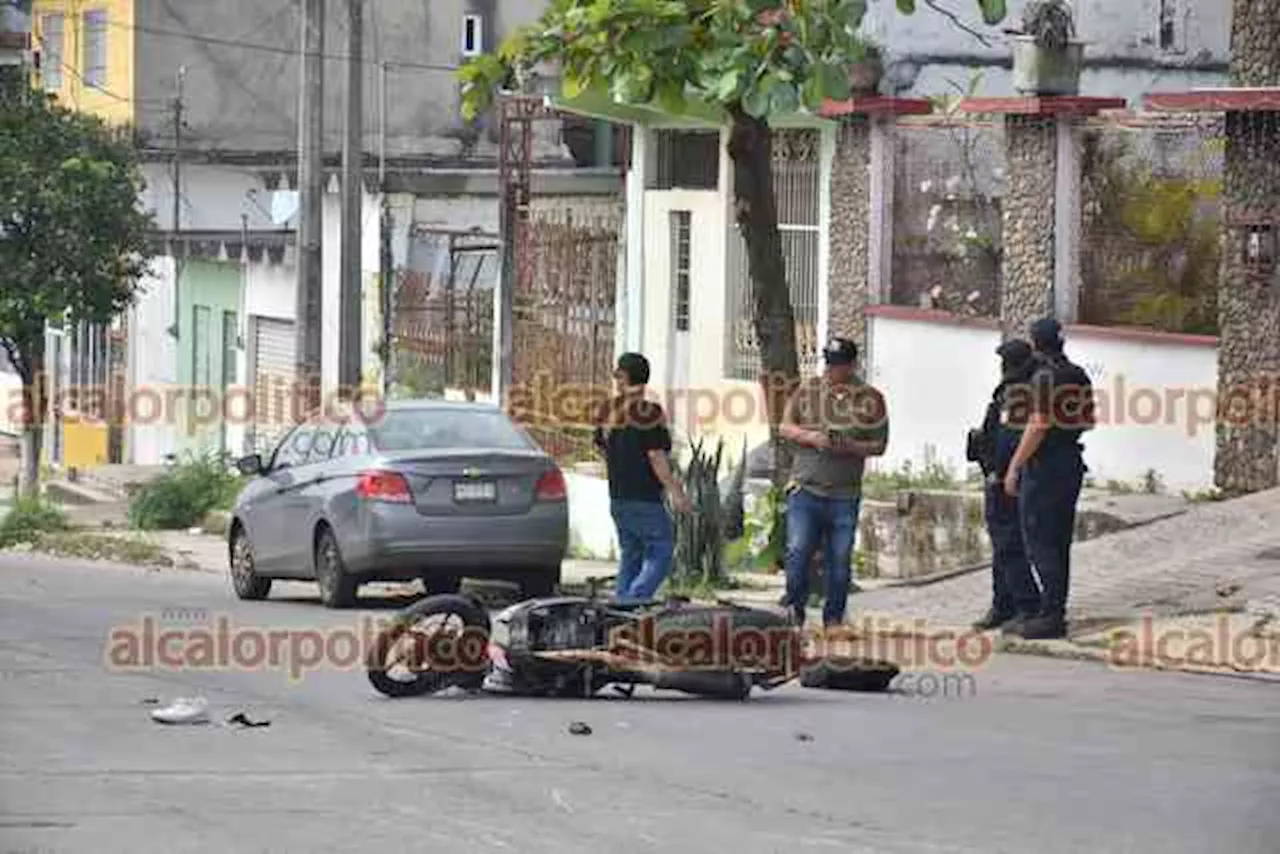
x=467, y=673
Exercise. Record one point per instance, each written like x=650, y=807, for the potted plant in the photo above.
x=865, y=73
x=1046, y=55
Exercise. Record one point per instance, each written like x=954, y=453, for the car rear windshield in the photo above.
x=445, y=429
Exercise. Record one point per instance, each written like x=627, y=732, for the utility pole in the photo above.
x=384, y=221
x=178, y=249
x=350, y=313
x=310, y=284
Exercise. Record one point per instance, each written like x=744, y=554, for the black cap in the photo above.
x=840, y=351
x=1015, y=352
x=1046, y=333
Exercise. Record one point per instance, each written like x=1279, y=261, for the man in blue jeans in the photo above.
x=632, y=434
x=836, y=422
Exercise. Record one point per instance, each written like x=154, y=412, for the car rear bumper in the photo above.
x=392, y=541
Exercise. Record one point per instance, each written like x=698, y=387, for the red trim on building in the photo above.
x=1132, y=334
x=1216, y=101
x=1047, y=106
x=877, y=106
x=930, y=315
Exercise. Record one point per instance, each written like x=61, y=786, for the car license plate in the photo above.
x=471, y=491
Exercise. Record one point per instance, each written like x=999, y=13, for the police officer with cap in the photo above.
x=1015, y=595
x=1047, y=473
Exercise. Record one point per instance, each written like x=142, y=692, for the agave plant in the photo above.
x=700, y=535
x=733, y=509
x=1050, y=22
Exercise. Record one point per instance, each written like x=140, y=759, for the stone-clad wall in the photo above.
x=1249, y=313
x=850, y=227
x=1255, y=43
x=1249, y=310
x=1029, y=220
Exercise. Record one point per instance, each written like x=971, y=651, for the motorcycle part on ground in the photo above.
x=425, y=680
x=837, y=673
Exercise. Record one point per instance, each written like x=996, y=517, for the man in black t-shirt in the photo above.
x=632, y=434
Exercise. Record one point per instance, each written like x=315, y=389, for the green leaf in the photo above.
x=833, y=82
x=993, y=11
x=727, y=87
x=756, y=101
x=907, y=7
x=784, y=99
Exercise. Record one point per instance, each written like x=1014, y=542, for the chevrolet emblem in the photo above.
x=471, y=471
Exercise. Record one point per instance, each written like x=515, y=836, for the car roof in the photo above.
x=371, y=411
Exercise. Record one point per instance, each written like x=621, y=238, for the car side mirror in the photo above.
x=251, y=465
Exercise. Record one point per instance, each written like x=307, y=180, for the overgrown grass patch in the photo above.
x=28, y=518
x=84, y=545
x=185, y=494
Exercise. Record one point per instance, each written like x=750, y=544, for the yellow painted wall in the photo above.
x=112, y=99
x=84, y=442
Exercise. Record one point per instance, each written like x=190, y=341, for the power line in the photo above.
x=277, y=49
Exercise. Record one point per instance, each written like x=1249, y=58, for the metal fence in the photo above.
x=947, y=228
x=1151, y=197
x=563, y=324
x=797, y=190
x=442, y=314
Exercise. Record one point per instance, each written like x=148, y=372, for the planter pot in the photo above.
x=1037, y=71
x=865, y=76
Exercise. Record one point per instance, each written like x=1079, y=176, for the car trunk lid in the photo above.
x=475, y=482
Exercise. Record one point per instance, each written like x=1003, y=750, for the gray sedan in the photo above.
x=425, y=489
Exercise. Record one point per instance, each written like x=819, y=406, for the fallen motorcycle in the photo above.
x=575, y=646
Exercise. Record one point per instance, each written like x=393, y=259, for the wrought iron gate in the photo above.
x=442, y=314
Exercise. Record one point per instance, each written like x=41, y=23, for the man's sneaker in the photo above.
x=184, y=710
x=1044, y=627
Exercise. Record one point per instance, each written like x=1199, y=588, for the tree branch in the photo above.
x=955, y=19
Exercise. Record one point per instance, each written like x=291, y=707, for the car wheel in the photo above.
x=244, y=579
x=337, y=587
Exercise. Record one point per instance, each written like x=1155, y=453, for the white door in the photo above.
x=679, y=345
x=273, y=381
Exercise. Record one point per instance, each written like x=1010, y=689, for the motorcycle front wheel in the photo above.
x=455, y=654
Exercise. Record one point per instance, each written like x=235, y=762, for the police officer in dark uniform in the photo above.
x=1047, y=473
x=1014, y=591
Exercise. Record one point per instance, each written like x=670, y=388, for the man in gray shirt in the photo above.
x=835, y=423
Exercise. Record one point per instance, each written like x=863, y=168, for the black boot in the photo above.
x=993, y=619
x=1044, y=627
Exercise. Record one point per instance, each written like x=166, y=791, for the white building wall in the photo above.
x=153, y=369
x=1123, y=52
x=1155, y=396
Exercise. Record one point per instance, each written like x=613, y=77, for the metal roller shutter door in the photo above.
x=273, y=375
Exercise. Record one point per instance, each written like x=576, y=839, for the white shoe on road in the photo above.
x=184, y=710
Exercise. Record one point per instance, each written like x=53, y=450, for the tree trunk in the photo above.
x=755, y=211
x=31, y=372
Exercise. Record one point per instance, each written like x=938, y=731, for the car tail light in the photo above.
x=384, y=486
x=551, y=486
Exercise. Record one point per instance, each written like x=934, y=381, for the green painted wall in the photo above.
x=208, y=297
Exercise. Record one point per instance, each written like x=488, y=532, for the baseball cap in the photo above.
x=1015, y=351
x=840, y=351
x=1046, y=332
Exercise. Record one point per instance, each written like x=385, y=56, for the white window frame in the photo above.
x=473, y=32
x=52, y=53
x=95, y=76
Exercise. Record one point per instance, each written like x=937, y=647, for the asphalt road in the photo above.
x=1036, y=755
